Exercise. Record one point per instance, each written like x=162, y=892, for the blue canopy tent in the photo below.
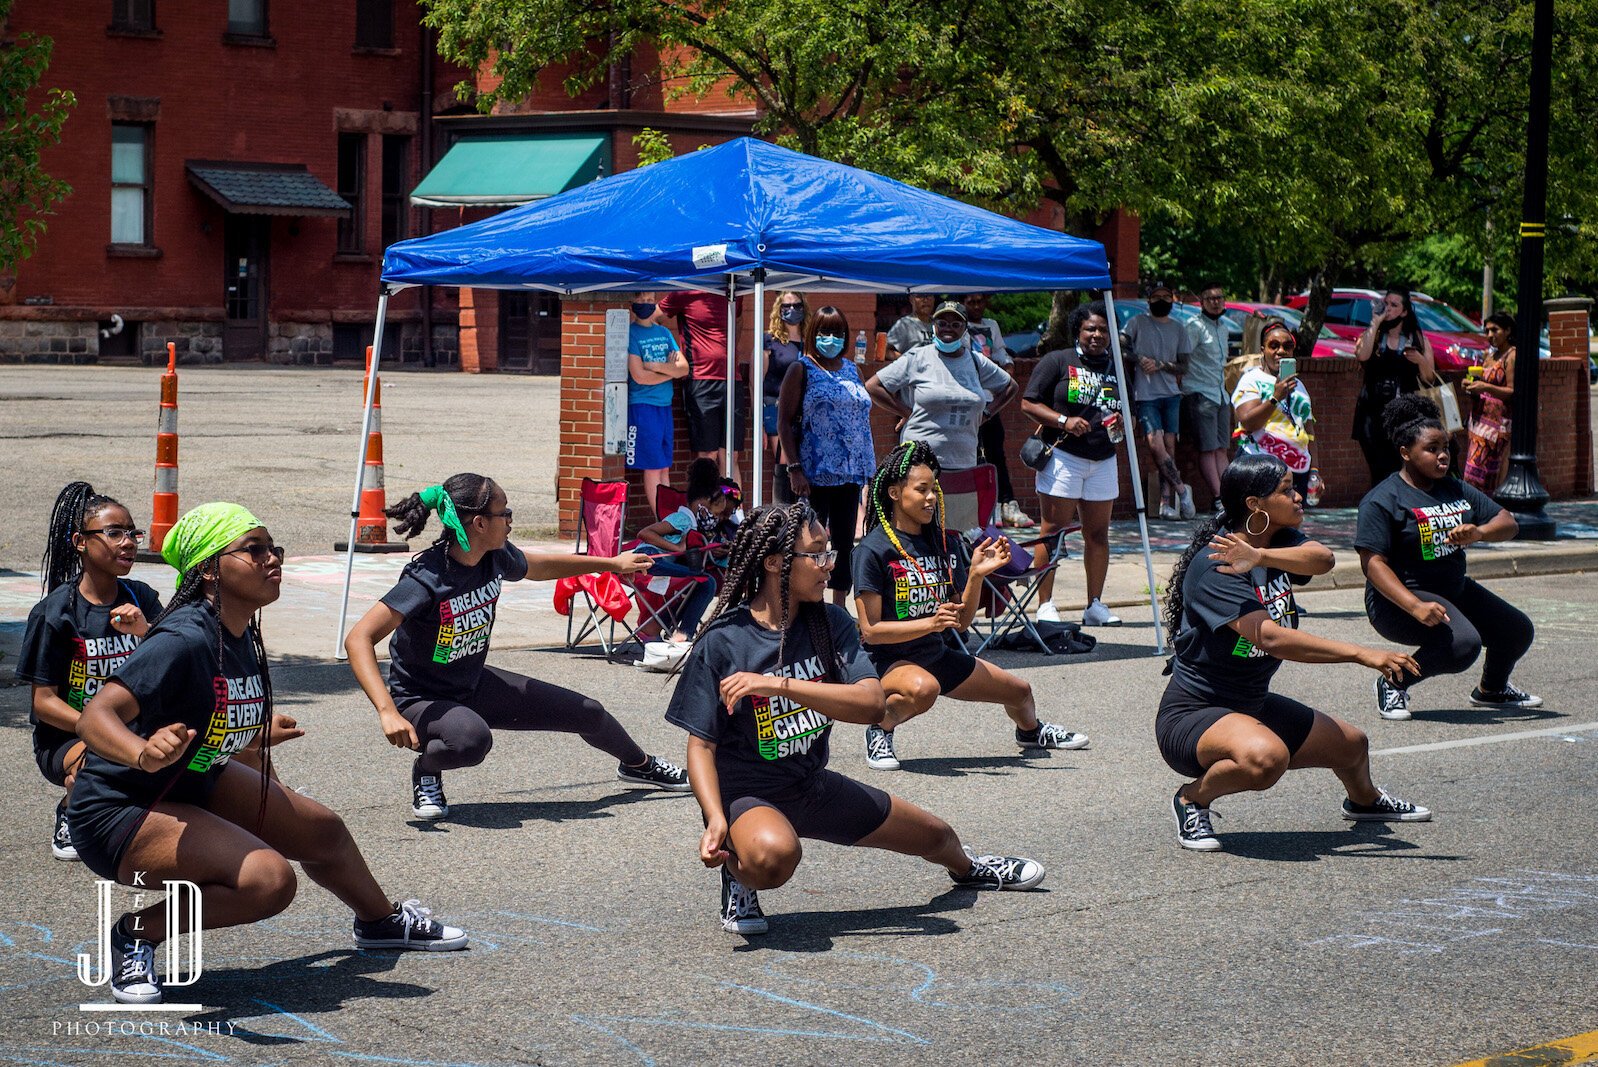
x=734, y=219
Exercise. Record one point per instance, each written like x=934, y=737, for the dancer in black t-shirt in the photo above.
x=178, y=782
x=768, y=675
x=91, y=618
x=442, y=700
x=1413, y=529
x=1232, y=620
x=913, y=599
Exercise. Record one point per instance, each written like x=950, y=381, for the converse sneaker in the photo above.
x=1508, y=697
x=1099, y=615
x=740, y=907
x=999, y=872
x=61, y=842
x=1193, y=829
x=409, y=926
x=1391, y=701
x=1387, y=808
x=133, y=978
x=1047, y=612
x=427, y=795
x=1184, y=502
x=879, y=749
x=1050, y=735
x=655, y=773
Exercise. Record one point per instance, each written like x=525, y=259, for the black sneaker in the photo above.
x=427, y=795
x=61, y=843
x=1508, y=697
x=1193, y=830
x=740, y=907
x=999, y=872
x=657, y=774
x=133, y=977
x=879, y=749
x=1391, y=701
x=1051, y=735
x=409, y=926
x=1387, y=808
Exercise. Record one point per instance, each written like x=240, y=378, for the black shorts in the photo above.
x=103, y=825
x=829, y=807
x=948, y=665
x=1183, y=718
x=52, y=760
x=705, y=400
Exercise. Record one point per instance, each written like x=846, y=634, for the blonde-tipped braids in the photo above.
x=894, y=469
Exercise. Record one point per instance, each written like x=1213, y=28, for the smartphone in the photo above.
x=1288, y=368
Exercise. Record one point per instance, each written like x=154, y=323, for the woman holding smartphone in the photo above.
x=1395, y=357
x=1273, y=407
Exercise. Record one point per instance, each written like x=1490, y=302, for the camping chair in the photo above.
x=660, y=598
x=604, y=505
x=667, y=500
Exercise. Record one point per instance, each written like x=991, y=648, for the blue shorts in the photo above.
x=649, y=440
x=1161, y=415
x=768, y=418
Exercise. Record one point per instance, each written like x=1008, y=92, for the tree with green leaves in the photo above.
x=28, y=125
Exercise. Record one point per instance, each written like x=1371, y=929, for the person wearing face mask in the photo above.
x=940, y=388
x=710, y=500
x=1161, y=347
x=1273, y=412
x=702, y=321
x=825, y=419
x=653, y=363
x=915, y=328
x=785, y=339
x=988, y=339
x=1395, y=357
x=1205, y=404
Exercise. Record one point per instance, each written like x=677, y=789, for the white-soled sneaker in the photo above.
x=1392, y=701
x=61, y=841
x=133, y=977
x=1099, y=615
x=999, y=872
x=1051, y=735
x=1510, y=697
x=1047, y=612
x=1184, y=502
x=1387, y=808
x=879, y=749
x=427, y=795
x=655, y=773
x=411, y=927
x=740, y=907
x=1193, y=830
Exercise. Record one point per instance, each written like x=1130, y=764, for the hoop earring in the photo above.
x=1248, y=524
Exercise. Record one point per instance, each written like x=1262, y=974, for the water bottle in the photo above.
x=1112, y=406
x=860, y=347
x=1313, y=491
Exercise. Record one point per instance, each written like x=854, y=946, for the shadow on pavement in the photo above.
x=1360, y=840
x=1488, y=716
x=815, y=931
x=989, y=766
x=510, y=814
x=306, y=985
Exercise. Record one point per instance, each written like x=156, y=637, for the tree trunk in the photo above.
x=1060, y=310
x=1321, y=284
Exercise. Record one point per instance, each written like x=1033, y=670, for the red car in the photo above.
x=1327, y=346
x=1456, y=342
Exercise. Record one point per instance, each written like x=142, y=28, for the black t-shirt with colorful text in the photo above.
x=912, y=584
x=1409, y=527
x=1213, y=661
x=1077, y=385
x=438, y=651
x=175, y=676
x=766, y=745
x=71, y=644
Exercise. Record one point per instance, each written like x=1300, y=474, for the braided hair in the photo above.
x=62, y=563
x=769, y=531
x=893, y=471
x=470, y=494
x=1407, y=416
x=1250, y=474
x=192, y=589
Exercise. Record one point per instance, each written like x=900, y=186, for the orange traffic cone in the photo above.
x=164, y=506
x=371, y=525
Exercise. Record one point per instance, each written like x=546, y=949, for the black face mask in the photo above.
x=643, y=311
x=792, y=314
x=1159, y=308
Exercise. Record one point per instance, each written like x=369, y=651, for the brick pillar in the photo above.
x=1569, y=337
x=479, y=331
x=582, y=403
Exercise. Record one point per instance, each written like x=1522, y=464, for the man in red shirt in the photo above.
x=703, y=318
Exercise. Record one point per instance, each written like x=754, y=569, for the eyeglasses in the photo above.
x=119, y=533
x=506, y=514
x=259, y=553
x=820, y=559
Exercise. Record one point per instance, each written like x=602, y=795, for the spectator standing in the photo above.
x=915, y=328
x=1491, y=387
x=1395, y=357
x=1275, y=412
x=1208, y=409
x=703, y=318
x=987, y=340
x=653, y=363
x=940, y=389
x=785, y=339
x=1161, y=346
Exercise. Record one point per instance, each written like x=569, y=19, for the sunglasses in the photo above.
x=820, y=559
x=119, y=533
x=506, y=514
x=259, y=553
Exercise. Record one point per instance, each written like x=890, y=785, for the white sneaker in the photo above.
x=740, y=907
x=1184, y=502
x=1011, y=514
x=1099, y=615
x=427, y=795
x=1168, y=510
x=1047, y=612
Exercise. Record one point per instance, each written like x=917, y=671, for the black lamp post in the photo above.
x=1523, y=492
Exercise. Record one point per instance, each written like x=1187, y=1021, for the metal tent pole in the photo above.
x=757, y=359
x=732, y=366
x=1137, y=475
x=360, y=467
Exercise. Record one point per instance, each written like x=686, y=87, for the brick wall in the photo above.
x=582, y=404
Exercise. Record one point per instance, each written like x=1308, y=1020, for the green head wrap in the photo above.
x=203, y=532
x=438, y=500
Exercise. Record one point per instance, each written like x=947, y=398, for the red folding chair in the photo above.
x=604, y=507
x=668, y=500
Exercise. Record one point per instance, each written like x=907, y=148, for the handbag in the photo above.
x=1035, y=451
x=1442, y=394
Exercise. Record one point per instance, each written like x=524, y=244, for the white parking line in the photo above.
x=1490, y=739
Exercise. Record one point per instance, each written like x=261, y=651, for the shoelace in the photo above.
x=670, y=770
x=745, y=904
x=1393, y=697
x=138, y=965
x=413, y=916
x=1197, y=822
x=1387, y=802
x=431, y=788
x=1002, y=868
x=1050, y=732
x=881, y=744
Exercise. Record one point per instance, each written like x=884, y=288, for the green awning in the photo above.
x=513, y=168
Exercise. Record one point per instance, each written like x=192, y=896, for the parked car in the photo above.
x=1456, y=342
x=1327, y=345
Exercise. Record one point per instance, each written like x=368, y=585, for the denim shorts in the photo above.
x=1160, y=415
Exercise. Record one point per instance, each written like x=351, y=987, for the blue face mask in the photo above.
x=828, y=345
x=643, y=311
x=949, y=347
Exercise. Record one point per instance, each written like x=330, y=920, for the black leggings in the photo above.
x=839, y=509
x=460, y=735
x=990, y=443
x=1450, y=647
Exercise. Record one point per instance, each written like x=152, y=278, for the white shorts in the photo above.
x=1074, y=478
